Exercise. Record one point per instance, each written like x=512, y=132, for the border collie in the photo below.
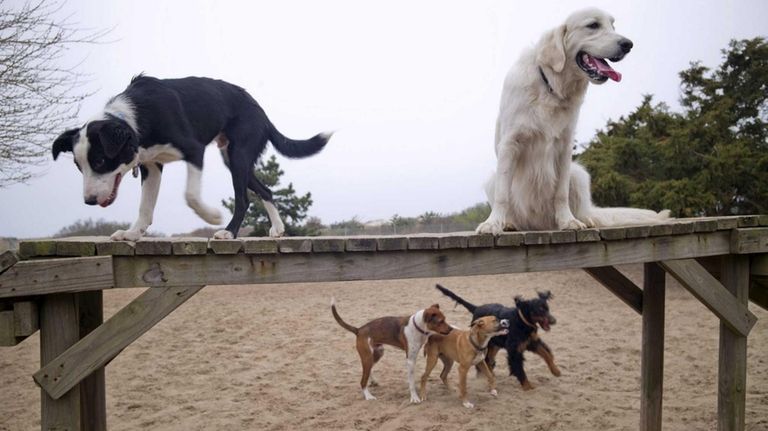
x=157, y=121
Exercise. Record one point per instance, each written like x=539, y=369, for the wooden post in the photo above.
x=652, y=362
x=59, y=329
x=732, y=374
x=93, y=403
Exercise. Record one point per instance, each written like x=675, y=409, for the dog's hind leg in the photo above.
x=515, y=360
x=277, y=228
x=366, y=352
x=378, y=352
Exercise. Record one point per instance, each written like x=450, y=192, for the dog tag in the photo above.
x=135, y=171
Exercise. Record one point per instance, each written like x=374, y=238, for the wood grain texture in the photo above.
x=7, y=260
x=619, y=285
x=37, y=277
x=93, y=392
x=68, y=368
x=25, y=318
x=750, y=240
x=652, y=354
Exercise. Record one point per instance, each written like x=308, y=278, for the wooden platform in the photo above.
x=56, y=285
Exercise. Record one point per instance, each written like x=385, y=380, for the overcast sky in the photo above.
x=410, y=87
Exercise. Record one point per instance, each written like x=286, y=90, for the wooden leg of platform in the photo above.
x=732, y=375
x=93, y=403
x=59, y=329
x=652, y=362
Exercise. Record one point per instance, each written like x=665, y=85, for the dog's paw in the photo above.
x=415, y=399
x=223, y=234
x=126, y=235
x=367, y=395
x=492, y=226
x=527, y=386
x=468, y=405
x=494, y=393
x=571, y=224
x=277, y=231
x=556, y=372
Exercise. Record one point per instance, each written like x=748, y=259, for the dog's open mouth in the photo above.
x=597, y=68
x=544, y=323
x=112, y=196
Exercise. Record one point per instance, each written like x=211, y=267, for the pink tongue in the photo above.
x=606, y=70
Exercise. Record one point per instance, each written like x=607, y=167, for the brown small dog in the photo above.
x=408, y=333
x=468, y=348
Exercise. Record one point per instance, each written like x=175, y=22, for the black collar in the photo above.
x=478, y=348
x=423, y=332
x=546, y=81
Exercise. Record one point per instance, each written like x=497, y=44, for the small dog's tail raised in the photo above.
x=339, y=320
x=297, y=149
x=469, y=306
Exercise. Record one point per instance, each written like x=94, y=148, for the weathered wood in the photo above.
x=93, y=394
x=115, y=248
x=260, y=245
x=225, y=246
x=189, y=246
x=537, y=238
x=619, y=285
x=704, y=225
x=37, y=248
x=59, y=329
x=613, y=233
x=750, y=240
x=423, y=242
x=7, y=260
x=308, y=267
x=294, y=245
x=25, y=318
x=587, y=235
x=391, y=243
x=328, y=245
x=154, y=246
x=360, y=244
x=105, y=342
x=638, y=231
x=758, y=280
x=563, y=236
x=452, y=241
x=712, y=294
x=652, y=356
x=7, y=332
x=510, y=239
x=38, y=277
x=661, y=230
x=732, y=370
x=748, y=221
x=727, y=223
x=76, y=246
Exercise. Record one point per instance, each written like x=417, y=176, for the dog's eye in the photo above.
x=99, y=162
x=594, y=25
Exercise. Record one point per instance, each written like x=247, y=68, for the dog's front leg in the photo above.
x=413, y=353
x=563, y=214
x=194, y=199
x=501, y=188
x=151, y=174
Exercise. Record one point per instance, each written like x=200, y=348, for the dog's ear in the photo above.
x=552, y=49
x=435, y=306
x=64, y=142
x=114, y=137
x=479, y=323
x=518, y=300
x=545, y=295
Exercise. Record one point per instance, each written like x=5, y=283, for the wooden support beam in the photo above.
x=93, y=393
x=619, y=285
x=712, y=294
x=59, y=329
x=38, y=277
x=758, y=279
x=652, y=361
x=105, y=342
x=732, y=372
x=7, y=335
x=25, y=318
x=7, y=260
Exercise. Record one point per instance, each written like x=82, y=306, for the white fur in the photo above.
x=415, y=342
x=121, y=107
x=95, y=185
x=536, y=186
x=194, y=198
x=149, y=190
x=278, y=228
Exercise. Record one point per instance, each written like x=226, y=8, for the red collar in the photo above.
x=423, y=332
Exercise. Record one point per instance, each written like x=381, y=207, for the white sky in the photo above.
x=411, y=87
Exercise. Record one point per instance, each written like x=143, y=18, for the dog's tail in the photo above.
x=339, y=320
x=610, y=217
x=469, y=306
x=297, y=149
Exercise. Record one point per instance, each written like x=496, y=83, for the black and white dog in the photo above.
x=157, y=121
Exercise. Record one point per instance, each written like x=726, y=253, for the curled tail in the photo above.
x=339, y=320
x=610, y=217
x=297, y=149
x=469, y=306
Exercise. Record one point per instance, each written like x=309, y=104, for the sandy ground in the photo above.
x=271, y=357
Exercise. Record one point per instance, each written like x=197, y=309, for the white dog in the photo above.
x=536, y=186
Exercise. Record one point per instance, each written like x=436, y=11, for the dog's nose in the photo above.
x=626, y=45
x=91, y=200
x=504, y=323
x=552, y=320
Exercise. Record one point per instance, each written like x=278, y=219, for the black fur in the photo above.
x=189, y=113
x=522, y=336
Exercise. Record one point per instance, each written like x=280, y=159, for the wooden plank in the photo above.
x=750, y=240
x=452, y=241
x=105, y=342
x=260, y=245
x=7, y=260
x=360, y=244
x=286, y=268
x=638, y=231
x=59, y=329
x=480, y=241
x=652, y=355
x=762, y=220
x=76, y=246
x=727, y=223
x=732, y=370
x=563, y=236
x=7, y=332
x=37, y=248
x=613, y=233
x=423, y=242
x=661, y=229
x=537, y=238
x=93, y=394
x=705, y=225
x=510, y=239
x=749, y=221
x=189, y=246
x=587, y=235
x=328, y=244
x=38, y=277
x=391, y=243
x=619, y=285
x=682, y=228
x=294, y=245
x=711, y=293
x=154, y=246
x=25, y=318
x=115, y=248
x=225, y=246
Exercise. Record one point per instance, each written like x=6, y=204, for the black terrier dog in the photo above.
x=522, y=336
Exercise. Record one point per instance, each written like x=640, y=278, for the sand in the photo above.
x=271, y=357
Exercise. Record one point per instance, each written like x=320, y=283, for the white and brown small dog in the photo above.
x=468, y=348
x=407, y=333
